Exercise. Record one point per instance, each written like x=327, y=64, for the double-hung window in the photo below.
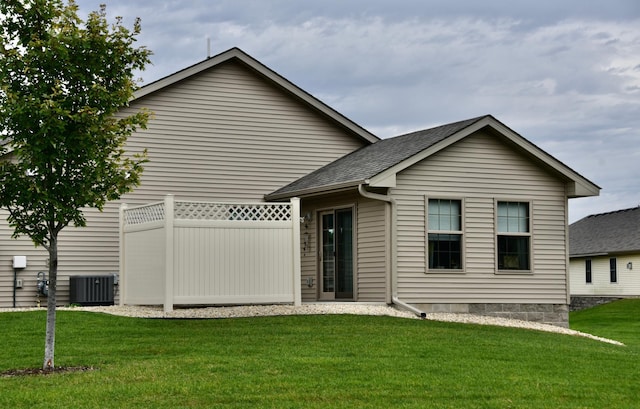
x=513, y=236
x=444, y=232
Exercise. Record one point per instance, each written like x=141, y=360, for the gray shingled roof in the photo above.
x=371, y=160
x=613, y=232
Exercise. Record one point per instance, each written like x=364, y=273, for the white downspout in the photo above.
x=394, y=248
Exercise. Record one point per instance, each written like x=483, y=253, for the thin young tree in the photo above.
x=63, y=82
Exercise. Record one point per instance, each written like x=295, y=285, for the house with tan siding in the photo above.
x=468, y=217
x=465, y=217
x=605, y=255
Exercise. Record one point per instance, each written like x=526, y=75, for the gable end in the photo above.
x=577, y=186
x=268, y=75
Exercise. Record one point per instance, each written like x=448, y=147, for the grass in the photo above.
x=618, y=320
x=320, y=361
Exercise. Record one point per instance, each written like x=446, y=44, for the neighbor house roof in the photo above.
x=606, y=233
x=376, y=165
x=236, y=54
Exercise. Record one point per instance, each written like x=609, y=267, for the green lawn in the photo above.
x=618, y=320
x=321, y=361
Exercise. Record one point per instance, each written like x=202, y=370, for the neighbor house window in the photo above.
x=444, y=226
x=613, y=270
x=587, y=271
x=513, y=236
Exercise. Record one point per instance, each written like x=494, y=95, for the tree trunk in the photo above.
x=50, y=336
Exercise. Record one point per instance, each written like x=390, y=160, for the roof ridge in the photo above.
x=412, y=133
x=613, y=212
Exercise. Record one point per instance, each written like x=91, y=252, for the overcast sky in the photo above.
x=563, y=74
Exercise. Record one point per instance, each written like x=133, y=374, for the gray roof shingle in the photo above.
x=613, y=232
x=373, y=159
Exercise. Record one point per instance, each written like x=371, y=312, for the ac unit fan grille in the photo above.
x=91, y=290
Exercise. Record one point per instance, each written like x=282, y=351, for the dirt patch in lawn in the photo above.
x=42, y=372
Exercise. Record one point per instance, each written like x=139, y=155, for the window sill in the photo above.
x=517, y=272
x=445, y=271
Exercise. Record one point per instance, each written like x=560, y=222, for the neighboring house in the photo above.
x=465, y=217
x=605, y=255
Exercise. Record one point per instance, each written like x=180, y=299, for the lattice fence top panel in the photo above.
x=144, y=214
x=229, y=211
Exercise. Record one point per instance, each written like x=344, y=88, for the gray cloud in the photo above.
x=566, y=75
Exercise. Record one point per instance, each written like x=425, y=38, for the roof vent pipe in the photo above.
x=394, y=248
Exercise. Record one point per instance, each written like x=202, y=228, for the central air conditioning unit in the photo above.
x=91, y=290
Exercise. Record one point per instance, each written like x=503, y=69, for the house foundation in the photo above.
x=580, y=303
x=553, y=314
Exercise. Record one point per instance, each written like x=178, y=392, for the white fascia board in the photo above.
x=388, y=181
x=577, y=189
x=315, y=191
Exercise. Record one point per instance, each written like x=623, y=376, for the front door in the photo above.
x=336, y=254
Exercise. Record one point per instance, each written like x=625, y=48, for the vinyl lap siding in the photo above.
x=480, y=170
x=36, y=261
x=309, y=253
x=372, y=251
x=82, y=251
x=628, y=283
x=228, y=135
x=222, y=135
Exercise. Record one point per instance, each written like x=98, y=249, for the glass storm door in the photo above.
x=336, y=258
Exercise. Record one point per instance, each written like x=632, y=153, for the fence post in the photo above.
x=122, y=256
x=168, y=231
x=297, y=272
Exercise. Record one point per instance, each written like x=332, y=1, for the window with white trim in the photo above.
x=513, y=236
x=444, y=233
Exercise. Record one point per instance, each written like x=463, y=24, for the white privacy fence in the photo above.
x=203, y=253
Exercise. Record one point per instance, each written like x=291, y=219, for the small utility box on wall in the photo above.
x=19, y=262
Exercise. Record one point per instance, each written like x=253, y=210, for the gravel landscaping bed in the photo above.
x=315, y=309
